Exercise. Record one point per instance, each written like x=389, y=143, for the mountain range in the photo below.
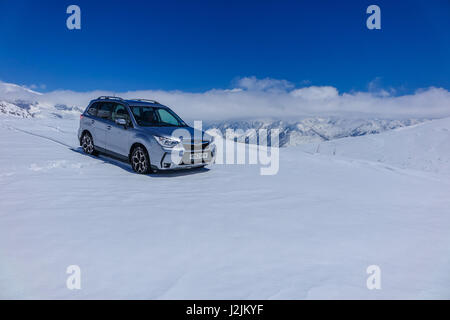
x=22, y=102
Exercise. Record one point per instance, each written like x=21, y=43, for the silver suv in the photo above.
x=144, y=133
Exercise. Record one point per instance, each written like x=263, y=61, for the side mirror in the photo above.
x=121, y=122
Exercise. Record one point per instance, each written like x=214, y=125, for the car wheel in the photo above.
x=140, y=160
x=87, y=143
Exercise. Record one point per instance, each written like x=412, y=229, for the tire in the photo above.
x=140, y=161
x=87, y=143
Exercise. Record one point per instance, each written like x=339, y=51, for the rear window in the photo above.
x=93, y=109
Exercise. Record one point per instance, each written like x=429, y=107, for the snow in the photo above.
x=310, y=130
x=423, y=147
x=225, y=232
x=16, y=90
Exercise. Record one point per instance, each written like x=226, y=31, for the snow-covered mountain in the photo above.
x=19, y=101
x=309, y=130
x=32, y=109
x=12, y=92
x=22, y=102
x=16, y=110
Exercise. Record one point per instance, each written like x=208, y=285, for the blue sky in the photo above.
x=200, y=45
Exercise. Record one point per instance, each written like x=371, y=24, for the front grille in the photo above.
x=195, y=146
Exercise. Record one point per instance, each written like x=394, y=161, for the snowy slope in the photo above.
x=308, y=232
x=11, y=91
x=423, y=147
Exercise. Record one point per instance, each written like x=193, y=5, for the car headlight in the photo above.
x=167, y=142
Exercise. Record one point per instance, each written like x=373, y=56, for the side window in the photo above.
x=105, y=110
x=145, y=116
x=93, y=109
x=136, y=112
x=120, y=111
x=149, y=115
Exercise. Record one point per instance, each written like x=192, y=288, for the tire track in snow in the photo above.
x=42, y=136
x=72, y=148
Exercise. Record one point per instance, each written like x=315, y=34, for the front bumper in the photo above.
x=180, y=158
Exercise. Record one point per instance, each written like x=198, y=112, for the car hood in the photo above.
x=168, y=132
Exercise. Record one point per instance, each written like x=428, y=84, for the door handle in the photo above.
x=108, y=127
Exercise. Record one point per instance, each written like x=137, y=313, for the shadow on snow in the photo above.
x=127, y=167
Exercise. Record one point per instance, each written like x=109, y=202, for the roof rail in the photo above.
x=109, y=97
x=147, y=100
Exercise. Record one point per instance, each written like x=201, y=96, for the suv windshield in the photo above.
x=156, y=117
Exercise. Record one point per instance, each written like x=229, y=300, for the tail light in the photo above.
x=81, y=116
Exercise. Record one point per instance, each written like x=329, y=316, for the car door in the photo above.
x=118, y=137
x=103, y=123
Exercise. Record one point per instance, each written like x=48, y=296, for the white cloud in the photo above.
x=316, y=93
x=375, y=87
x=266, y=84
x=267, y=98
